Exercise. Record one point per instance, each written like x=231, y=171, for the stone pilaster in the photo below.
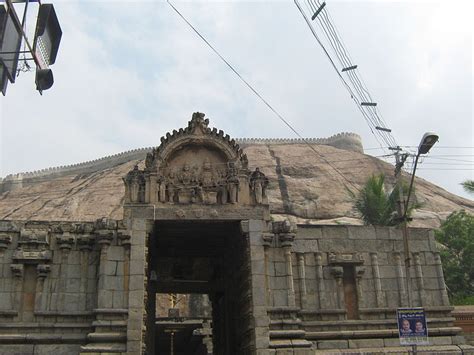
x=42, y=271
x=286, y=240
x=302, y=279
x=377, y=282
x=359, y=272
x=320, y=280
x=255, y=230
x=419, y=279
x=338, y=273
x=17, y=273
x=441, y=283
x=402, y=293
x=267, y=243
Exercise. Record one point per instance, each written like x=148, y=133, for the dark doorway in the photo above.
x=205, y=266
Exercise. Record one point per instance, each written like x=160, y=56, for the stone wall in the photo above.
x=332, y=286
x=62, y=284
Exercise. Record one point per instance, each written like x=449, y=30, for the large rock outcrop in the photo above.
x=303, y=186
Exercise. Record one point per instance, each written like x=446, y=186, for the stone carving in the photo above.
x=43, y=270
x=345, y=258
x=17, y=270
x=33, y=245
x=259, y=183
x=135, y=186
x=5, y=241
x=196, y=165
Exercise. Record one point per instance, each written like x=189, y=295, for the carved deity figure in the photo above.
x=162, y=189
x=258, y=183
x=186, y=175
x=232, y=183
x=207, y=175
x=170, y=186
x=136, y=184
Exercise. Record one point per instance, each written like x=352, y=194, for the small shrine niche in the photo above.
x=196, y=165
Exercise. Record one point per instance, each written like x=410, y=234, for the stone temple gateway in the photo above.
x=196, y=222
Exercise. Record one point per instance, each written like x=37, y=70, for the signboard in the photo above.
x=412, y=327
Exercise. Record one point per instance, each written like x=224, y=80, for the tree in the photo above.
x=376, y=206
x=456, y=235
x=468, y=186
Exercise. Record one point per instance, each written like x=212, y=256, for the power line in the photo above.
x=357, y=89
x=258, y=95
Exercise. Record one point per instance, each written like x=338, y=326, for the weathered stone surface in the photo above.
x=305, y=189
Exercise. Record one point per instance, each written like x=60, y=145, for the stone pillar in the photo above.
x=42, y=271
x=64, y=242
x=104, y=239
x=124, y=241
x=320, y=289
x=267, y=243
x=419, y=278
x=377, y=281
x=359, y=272
x=402, y=293
x=441, y=283
x=286, y=240
x=139, y=231
x=85, y=244
x=338, y=272
x=17, y=272
x=302, y=278
x=260, y=322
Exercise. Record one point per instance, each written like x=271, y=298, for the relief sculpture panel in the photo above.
x=196, y=165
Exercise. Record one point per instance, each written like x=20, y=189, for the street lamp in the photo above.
x=427, y=142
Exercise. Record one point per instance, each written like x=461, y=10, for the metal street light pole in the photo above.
x=427, y=142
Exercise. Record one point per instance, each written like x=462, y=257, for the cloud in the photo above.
x=128, y=72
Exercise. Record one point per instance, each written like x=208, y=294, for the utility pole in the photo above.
x=400, y=161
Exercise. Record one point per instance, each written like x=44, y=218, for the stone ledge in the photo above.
x=103, y=348
x=44, y=325
x=376, y=333
x=111, y=311
x=42, y=338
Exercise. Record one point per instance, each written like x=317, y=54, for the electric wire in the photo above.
x=370, y=113
x=258, y=95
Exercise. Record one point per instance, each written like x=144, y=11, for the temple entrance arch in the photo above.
x=196, y=214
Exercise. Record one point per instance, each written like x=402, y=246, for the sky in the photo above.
x=127, y=72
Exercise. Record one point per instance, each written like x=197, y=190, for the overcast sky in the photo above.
x=129, y=71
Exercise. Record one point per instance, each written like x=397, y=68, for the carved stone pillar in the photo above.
x=104, y=239
x=402, y=294
x=320, y=289
x=267, y=243
x=338, y=273
x=302, y=277
x=359, y=272
x=286, y=240
x=441, y=283
x=85, y=244
x=378, y=284
x=419, y=278
x=42, y=272
x=124, y=240
x=17, y=273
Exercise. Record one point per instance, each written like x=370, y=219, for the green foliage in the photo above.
x=457, y=236
x=376, y=206
x=468, y=186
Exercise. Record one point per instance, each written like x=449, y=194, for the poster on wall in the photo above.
x=412, y=327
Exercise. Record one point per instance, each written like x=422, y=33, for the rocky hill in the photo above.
x=303, y=186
